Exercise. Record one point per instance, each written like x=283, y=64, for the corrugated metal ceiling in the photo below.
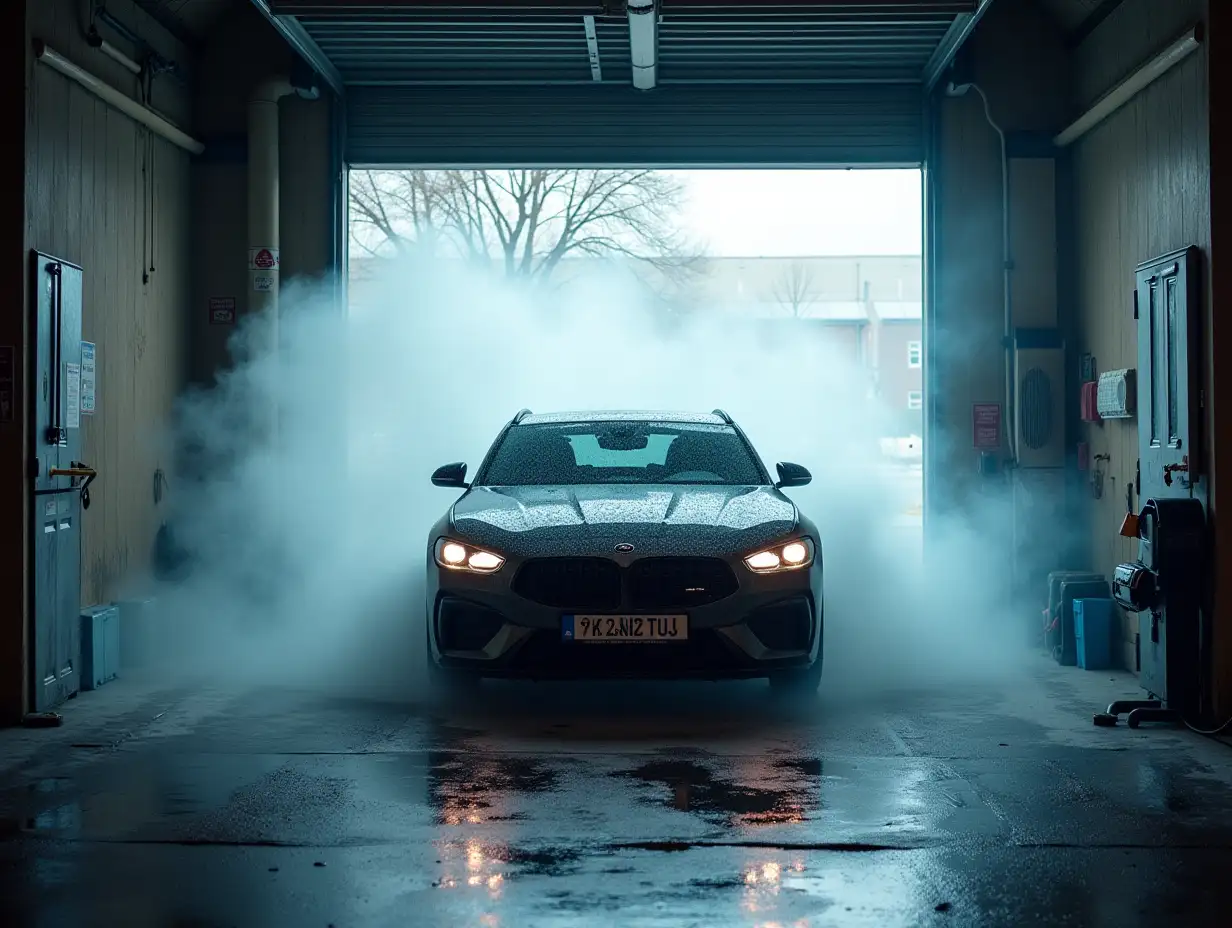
x=192, y=19
x=441, y=43
x=1071, y=14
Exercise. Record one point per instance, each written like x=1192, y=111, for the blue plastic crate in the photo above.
x=100, y=646
x=1093, y=631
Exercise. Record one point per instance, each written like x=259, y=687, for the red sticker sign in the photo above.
x=264, y=259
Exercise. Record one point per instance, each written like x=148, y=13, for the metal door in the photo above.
x=60, y=483
x=1169, y=397
x=1169, y=431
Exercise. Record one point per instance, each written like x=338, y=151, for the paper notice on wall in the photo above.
x=222, y=310
x=73, y=390
x=89, y=379
x=986, y=426
x=262, y=283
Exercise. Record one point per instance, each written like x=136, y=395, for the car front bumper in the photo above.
x=479, y=626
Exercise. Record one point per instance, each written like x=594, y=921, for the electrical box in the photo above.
x=100, y=646
x=1117, y=393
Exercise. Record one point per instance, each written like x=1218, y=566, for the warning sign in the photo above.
x=262, y=259
x=89, y=379
x=263, y=284
x=74, y=396
x=222, y=310
x=986, y=426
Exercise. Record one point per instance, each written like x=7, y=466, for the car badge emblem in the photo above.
x=625, y=548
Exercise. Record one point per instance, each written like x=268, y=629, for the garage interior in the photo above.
x=186, y=160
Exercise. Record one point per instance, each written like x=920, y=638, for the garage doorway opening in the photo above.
x=818, y=271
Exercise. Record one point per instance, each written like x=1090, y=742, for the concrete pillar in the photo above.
x=14, y=515
x=1219, y=336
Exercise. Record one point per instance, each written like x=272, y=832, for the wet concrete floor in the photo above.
x=648, y=806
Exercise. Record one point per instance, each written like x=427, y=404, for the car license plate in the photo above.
x=624, y=628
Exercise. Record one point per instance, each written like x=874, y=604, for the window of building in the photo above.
x=915, y=354
x=915, y=400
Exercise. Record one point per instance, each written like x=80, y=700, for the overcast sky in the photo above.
x=858, y=212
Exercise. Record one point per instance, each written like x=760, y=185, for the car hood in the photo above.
x=655, y=519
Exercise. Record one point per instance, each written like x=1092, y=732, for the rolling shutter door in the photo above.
x=598, y=126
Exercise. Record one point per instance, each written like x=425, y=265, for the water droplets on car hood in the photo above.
x=521, y=509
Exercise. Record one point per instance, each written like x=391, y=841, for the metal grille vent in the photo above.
x=1035, y=405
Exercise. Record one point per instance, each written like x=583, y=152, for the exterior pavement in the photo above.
x=614, y=805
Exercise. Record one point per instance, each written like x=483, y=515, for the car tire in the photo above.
x=451, y=682
x=797, y=683
x=443, y=680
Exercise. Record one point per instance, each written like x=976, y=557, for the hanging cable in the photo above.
x=153, y=200
x=1208, y=732
x=145, y=208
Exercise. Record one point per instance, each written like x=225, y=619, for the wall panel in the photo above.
x=1017, y=57
x=14, y=501
x=1141, y=188
x=105, y=193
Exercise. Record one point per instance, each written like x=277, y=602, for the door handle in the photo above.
x=88, y=472
x=1181, y=468
x=77, y=471
x=56, y=433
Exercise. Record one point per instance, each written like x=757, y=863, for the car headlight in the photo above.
x=791, y=555
x=454, y=555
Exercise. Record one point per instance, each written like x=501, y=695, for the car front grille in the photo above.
x=570, y=582
x=671, y=582
x=648, y=584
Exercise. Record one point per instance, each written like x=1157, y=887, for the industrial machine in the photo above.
x=1164, y=586
x=1168, y=585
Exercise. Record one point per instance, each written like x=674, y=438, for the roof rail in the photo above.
x=522, y=414
x=724, y=416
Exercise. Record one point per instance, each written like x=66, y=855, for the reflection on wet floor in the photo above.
x=760, y=792
x=469, y=788
x=593, y=816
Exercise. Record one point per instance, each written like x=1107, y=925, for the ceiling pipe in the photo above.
x=155, y=62
x=1125, y=91
x=121, y=101
x=94, y=40
x=644, y=42
x=264, y=257
x=304, y=45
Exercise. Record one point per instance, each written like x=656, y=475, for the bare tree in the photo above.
x=524, y=222
x=796, y=288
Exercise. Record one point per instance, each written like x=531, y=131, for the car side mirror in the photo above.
x=792, y=475
x=450, y=475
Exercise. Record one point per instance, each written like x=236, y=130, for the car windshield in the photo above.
x=622, y=452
